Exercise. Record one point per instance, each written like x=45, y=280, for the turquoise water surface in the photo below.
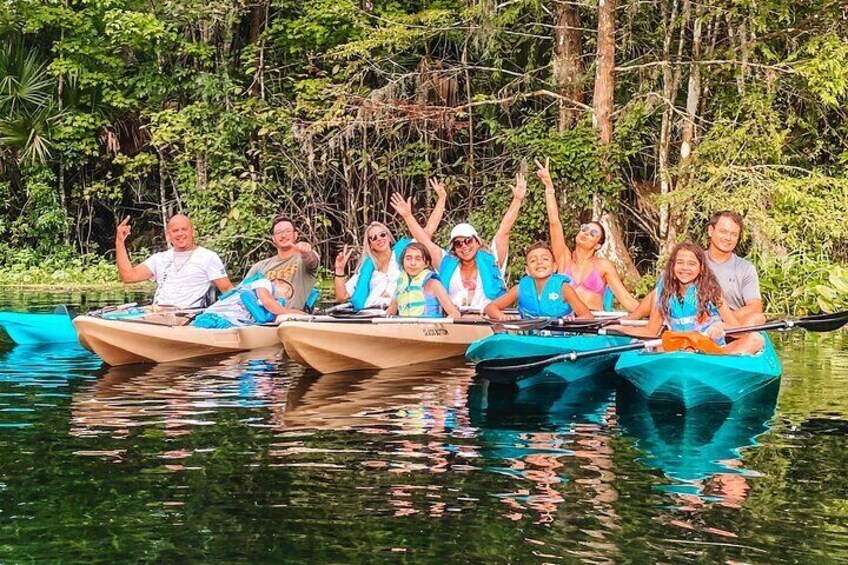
x=253, y=459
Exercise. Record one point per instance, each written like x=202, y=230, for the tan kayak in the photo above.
x=329, y=347
x=125, y=343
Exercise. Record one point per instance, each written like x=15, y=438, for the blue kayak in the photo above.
x=27, y=328
x=516, y=346
x=695, y=379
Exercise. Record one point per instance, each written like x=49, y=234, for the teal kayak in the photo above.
x=516, y=346
x=695, y=379
x=27, y=328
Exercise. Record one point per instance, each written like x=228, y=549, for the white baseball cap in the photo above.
x=463, y=230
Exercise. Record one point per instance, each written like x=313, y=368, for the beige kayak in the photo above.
x=125, y=343
x=329, y=347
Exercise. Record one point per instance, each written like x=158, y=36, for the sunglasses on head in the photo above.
x=462, y=242
x=376, y=236
x=594, y=231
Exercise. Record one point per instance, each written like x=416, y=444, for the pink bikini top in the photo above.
x=594, y=282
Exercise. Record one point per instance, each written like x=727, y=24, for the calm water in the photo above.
x=253, y=459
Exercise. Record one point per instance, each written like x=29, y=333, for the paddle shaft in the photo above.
x=817, y=323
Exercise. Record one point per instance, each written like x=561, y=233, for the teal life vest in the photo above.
x=251, y=302
x=550, y=304
x=366, y=271
x=412, y=300
x=494, y=285
x=683, y=314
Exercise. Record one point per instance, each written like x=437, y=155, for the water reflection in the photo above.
x=35, y=378
x=699, y=448
x=555, y=440
x=178, y=397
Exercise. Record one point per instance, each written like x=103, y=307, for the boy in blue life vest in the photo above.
x=419, y=293
x=542, y=292
x=256, y=300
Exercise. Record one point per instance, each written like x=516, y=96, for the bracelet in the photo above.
x=340, y=275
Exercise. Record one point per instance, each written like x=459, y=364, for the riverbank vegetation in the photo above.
x=654, y=115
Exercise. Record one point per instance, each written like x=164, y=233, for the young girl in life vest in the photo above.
x=256, y=300
x=688, y=298
x=541, y=293
x=419, y=293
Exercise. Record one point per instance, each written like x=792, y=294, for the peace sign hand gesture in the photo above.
x=343, y=257
x=544, y=173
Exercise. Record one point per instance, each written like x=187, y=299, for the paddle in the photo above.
x=815, y=323
x=497, y=325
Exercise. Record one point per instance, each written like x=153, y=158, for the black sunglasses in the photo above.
x=462, y=241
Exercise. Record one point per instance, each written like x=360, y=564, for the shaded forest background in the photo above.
x=654, y=114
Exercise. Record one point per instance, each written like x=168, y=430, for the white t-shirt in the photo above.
x=184, y=277
x=466, y=298
x=232, y=308
x=383, y=285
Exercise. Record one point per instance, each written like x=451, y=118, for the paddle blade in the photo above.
x=690, y=341
x=821, y=322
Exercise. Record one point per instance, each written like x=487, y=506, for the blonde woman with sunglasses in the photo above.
x=590, y=275
x=472, y=273
x=374, y=281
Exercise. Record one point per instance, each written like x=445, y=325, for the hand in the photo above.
x=123, y=230
x=342, y=258
x=715, y=331
x=544, y=173
x=438, y=187
x=401, y=206
x=519, y=189
x=303, y=248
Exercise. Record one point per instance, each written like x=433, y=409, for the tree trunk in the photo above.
x=605, y=75
x=568, y=69
x=602, y=119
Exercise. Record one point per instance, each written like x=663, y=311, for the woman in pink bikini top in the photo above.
x=590, y=275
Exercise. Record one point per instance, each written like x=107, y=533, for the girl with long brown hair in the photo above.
x=688, y=298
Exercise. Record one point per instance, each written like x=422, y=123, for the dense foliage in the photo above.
x=235, y=110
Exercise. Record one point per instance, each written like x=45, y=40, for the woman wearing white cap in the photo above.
x=374, y=282
x=472, y=273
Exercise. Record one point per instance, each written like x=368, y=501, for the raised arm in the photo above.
x=439, y=209
x=501, y=241
x=404, y=209
x=128, y=272
x=561, y=252
x=620, y=291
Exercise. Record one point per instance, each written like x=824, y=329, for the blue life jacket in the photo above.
x=487, y=266
x=251, y=302
x=683, y=314
x=363, y=283
x=412, y=300
x=550, y=304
